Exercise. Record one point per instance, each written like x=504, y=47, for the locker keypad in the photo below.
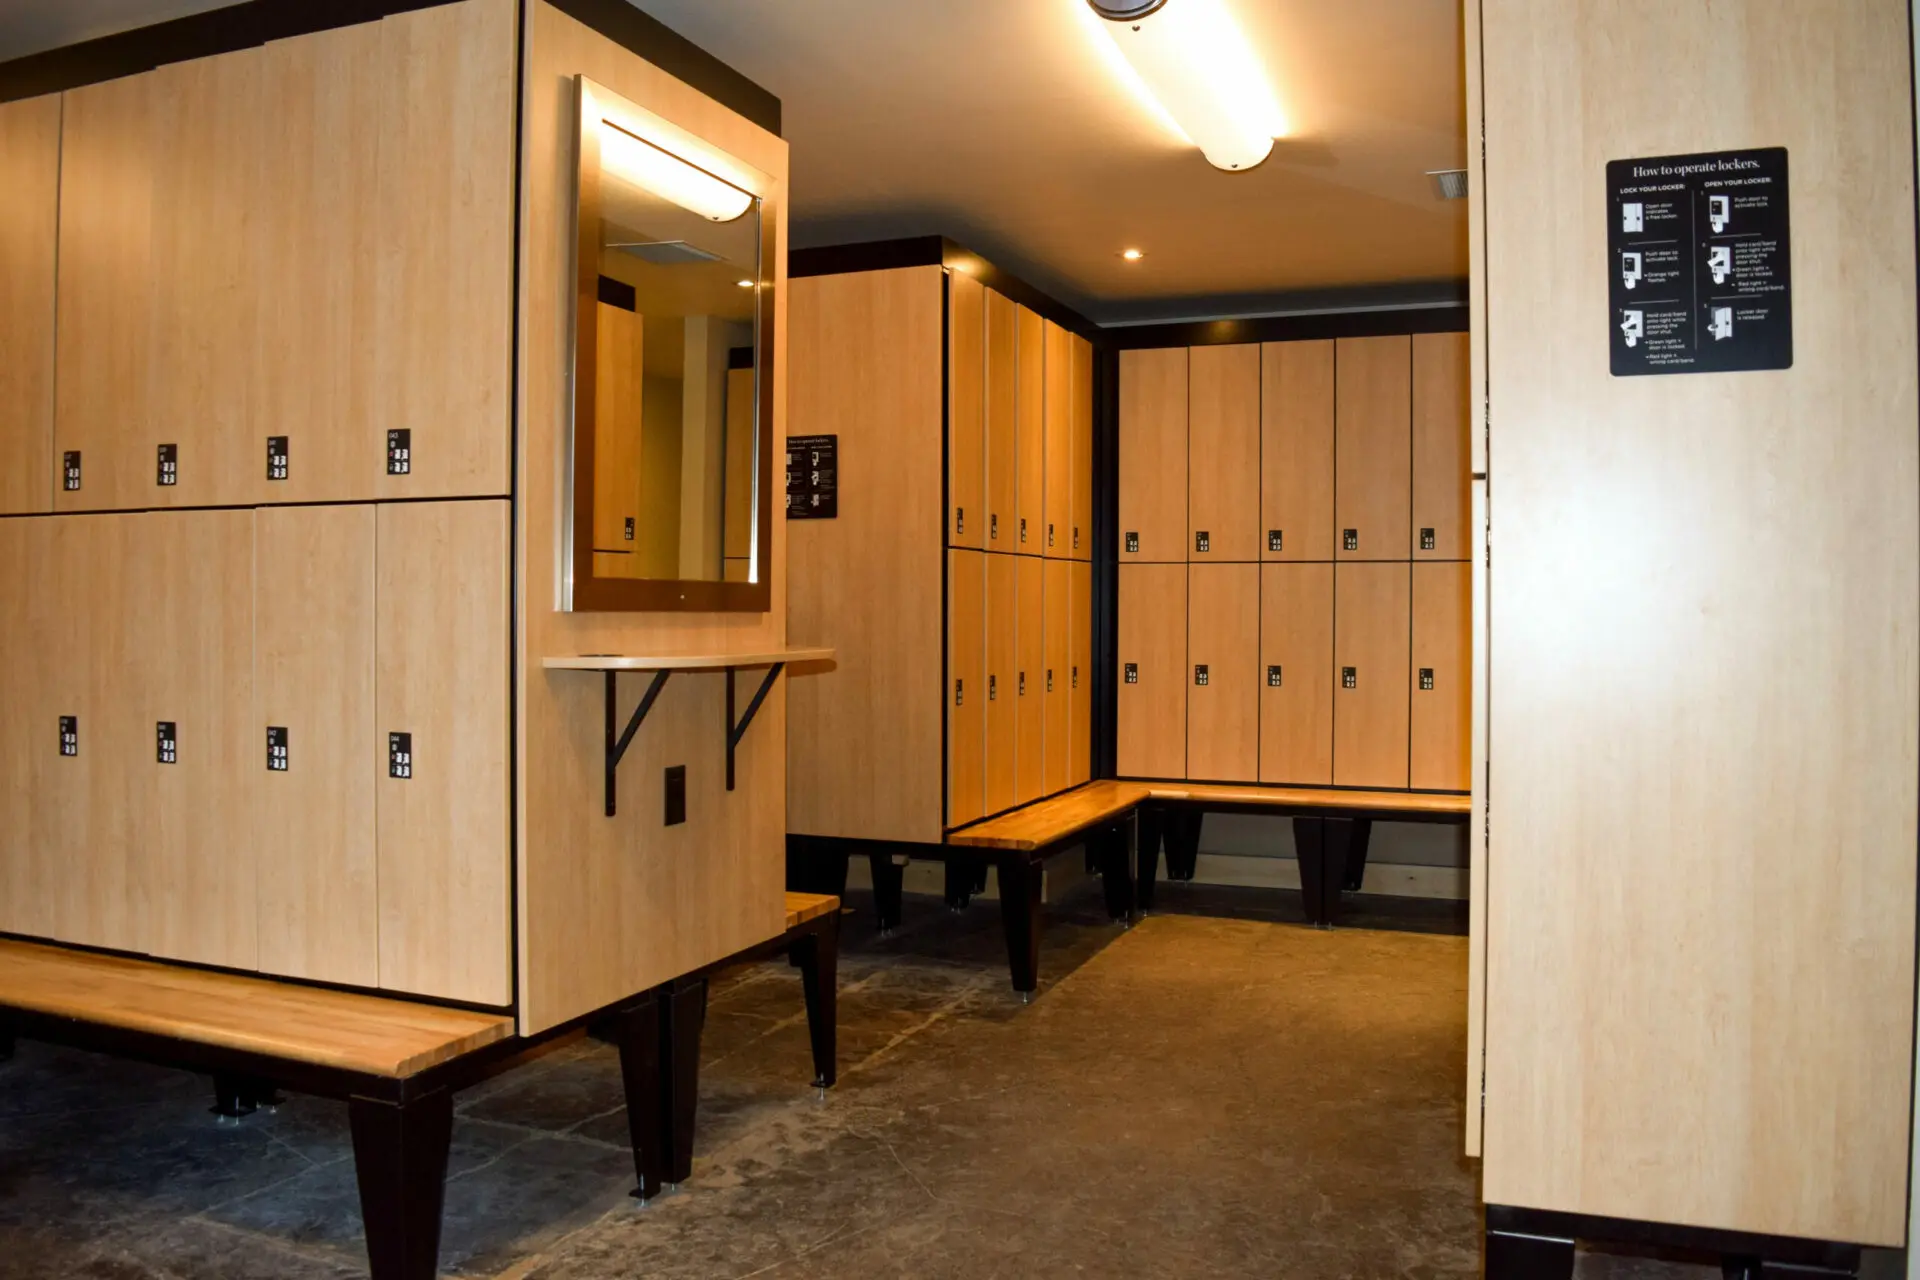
x=400, y=451
x=959, y=520
x=1076, y=537
x=1273, y=677
x=1349, y=677
x=1133, y=543
x=166, y=750
x=1049, y=679
x=1074, y=677
x=1199, y=673
x=1202, y=542
x=399, y=755
x=1351, y=540
x=277, y=748
x=69, y=735
x=993, y=526
x=1023, y=529
x=959, y=691
x=629, y=529
x=1274, y=539
x=993, y=688
x=276, y=457
x=1022, y=690
x=1426, y=679
x=70, y=470
x=1049, y=533
x=167, y=472
x=1426, y=539
x=1133, y=673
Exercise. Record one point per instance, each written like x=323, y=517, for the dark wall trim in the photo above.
x=618, y=293
x=935, y=251
x=1106, y=562
x=1332, y=324
x=676, y=55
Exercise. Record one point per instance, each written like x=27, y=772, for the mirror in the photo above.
x=672, y=432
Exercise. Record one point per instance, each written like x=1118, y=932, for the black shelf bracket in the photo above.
x=737, y=731
x=617, y=746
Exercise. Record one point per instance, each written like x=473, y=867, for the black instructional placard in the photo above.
x=1699, y=263
x=813, y=477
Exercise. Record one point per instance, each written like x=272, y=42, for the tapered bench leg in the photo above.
x=400, y=1158
x=1357, y=855
x=1336, y=853
x=1151, y=819
x=887, y=878
x=637, y=1028
x=1020, y=916
x=1310, y=850
x=1183, y=843
x=1116, y=869
x=817, y=956
x=683, y=1014
x=1528, y=1257
x=959, y=883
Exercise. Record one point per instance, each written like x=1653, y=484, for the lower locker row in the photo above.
x=1019, y=680
x=1307, y=674
x=269, y=739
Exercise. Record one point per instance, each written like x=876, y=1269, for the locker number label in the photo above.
x=1274, y=539
x=1350, y=539
x=1426, y=679
x=70, y=470
x=1273, y=677
x=400, y=451
x=1426, y=539
x=399, y=755
x=69, y=735
x=277, y=748
x=1202, y=542
x=166, y=749
x=276, y=457
x=167, y=469
x=1199, y=673
x=1133, y=542
x=1349, y=677
x=1133, y=673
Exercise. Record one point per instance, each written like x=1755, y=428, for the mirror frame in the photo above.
x=581, y=590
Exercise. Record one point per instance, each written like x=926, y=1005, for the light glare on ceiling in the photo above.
x=660, y=171
x=1132, y=255
x=744, y=284
x=1197, y=65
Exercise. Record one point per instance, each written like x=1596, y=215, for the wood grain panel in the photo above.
x=1477, y=834
x=741, y=464
x=1030, y=437
x=619, y=342
x=1057, y=628
x=1440, y=462
x=1080, y=684
x=29, y=697
x=1030, y=680
x=1057, y=417
x=29, y=227
x=1153, y=455
x=1002, y=424
x=1003, y=701
x=1080, y=545
x=966, y=411
x=1371, y=610
x=1721, y=698
x=1296, y=635
x=1151, y=712
x=314, y=676
x=1439, y=721
x=440, y=676
x=1296, y=450
x=1223, y=635
x=1373, y=444
x=1223, y=453
x=1039, y=825
x=966, y=686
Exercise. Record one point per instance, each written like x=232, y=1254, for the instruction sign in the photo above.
x=813, y=477
x=1699, y=264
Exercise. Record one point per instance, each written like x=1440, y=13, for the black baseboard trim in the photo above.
x=1823, y=1255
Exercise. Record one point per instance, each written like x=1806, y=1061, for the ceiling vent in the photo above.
x=1449, y=184
x=667, y=253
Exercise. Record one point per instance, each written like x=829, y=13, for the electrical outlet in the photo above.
x=676, y=799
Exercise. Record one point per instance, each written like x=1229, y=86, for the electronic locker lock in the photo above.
x=993, y=525
x=1049, y=679
x=1202, y=541
x=1351, y=540
x=1076, y=537
x=1426, y=679
x=1426, y=540
x=1133, y=673
x=1074, y=676
x=1023, y=529
x=959, y=691
x=1133, y=542
x=1049, y=533
x=959, y=521
x=1349, y=677
x=1273, y=676
x=1199, y=673
x=993, y=688
x=167, y=468
x=1022, y=690
x=1274, y=538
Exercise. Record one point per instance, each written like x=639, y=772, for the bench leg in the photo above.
x=1020, y=916
x=683, y=1014
x=887, y=878
x=1310, y=849
x=1183, y=844
x=235, y=1096
x=960, y=876
x=1518, y=1257
x=817, y=957
x=1151, y=819
x=1337, y=853
x=637, y=1031
x=1116, y=869
x=400, y=1156
x=1357, y=855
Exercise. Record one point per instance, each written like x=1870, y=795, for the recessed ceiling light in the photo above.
x=744, y=284
x=1132, y=255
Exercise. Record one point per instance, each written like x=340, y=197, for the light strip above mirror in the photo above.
x=659, y=156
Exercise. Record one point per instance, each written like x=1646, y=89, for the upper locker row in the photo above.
x=277, y=275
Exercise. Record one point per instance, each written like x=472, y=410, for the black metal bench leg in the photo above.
x=887, y=878
x=1116, y=870
x=1310, y=849
x=1524, y=1257
x=1338, y=848
x=637, y=1032
x=959, y=888
x=235, y=1096
x=817, y=957
x=1357, y=855
x=1020, y=915
x=1151, y=818
x=683, y=1014
x=1183, y=844
x=400, y=1157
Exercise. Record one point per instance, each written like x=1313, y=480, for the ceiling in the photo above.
x=1000, y=123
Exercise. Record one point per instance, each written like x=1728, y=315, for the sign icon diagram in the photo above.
x=1633, y=217
x=1719, y=212
x=1720, y=262
x=1630, y=267
x=1633, y=327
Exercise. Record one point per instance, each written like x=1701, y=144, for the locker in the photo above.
x=28, y=705
x=440, y=749
x=1153, y=455
x=966, y=686
x=1296, y=674
x=1002, y=415
x=1080, y=675
x=1081, y=544
x=1439, y=722
x=1223, y=453
x=29, y=225
x=1030, y=390
x=1371, y=608
x=966, y=411
x=313, y=699
x=1057, y=534
x=194, y=673
x=1057, y=745
x=1029, y=681
x=1296, y=451
x=1373, y=445
x=618, y=428
x=1223, y=656
x=1440, y=466
x=1150, y=700
x=1003, y=593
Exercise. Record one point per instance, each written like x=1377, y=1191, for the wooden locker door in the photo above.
x=1223, y=454
x=1150, y=700
x=1296, y=673
x=1439, y=721
x=1002, y=418
x=29, y=228
x=313, y=678
x=1081, y=545
x=1057, y=745
x=28, y=701
x=966, y=686
x=105, y=291
x=966, y=411
x=440, y=748
x=195, y=622
x=1296, y=450
x=1373, y=445
x=1057, y=413
x=1223, y=656
x=618, y=428
x=1003, y=703
x=1029, y=680
x=1030, y=438
x=1153, y=456
x=1440, y=464
x=1371, y=608
x=1080, y=675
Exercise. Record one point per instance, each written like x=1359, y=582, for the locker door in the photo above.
x=1030, y=440
x=966, y=411
x=618, y=428
x=1057, y=538
x=313, y=692
x=1003, y=702
x=195, y=621
x=1441, y=683
x=1373, y=445
x=966, y=686
x=1223, y=656
x=1081, y=544
x=1153, y=456
x=1080, y=675
x=440, y=748
x=1002, y=415
x=28, y=702
x=1029, y=681
x=29, y=225
x=1151, y=696
x=1296, y=674
x=1440, y=466
x=1223, y=454
x=1370, y=655
x=1296, y=451
x=1057, y=747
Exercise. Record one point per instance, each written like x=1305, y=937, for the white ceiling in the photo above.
x=1000, y=123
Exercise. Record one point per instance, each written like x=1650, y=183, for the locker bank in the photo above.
x=1165, y=637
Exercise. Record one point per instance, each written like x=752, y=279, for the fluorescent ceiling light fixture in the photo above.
x=653, y=168
x=1195, y=62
